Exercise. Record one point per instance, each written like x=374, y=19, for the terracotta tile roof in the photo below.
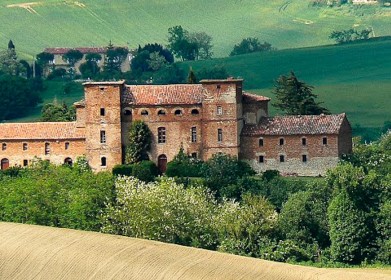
x=185, y=94
x=41, y=131
x=292, y=125
x=82, y=50
x=250, y=98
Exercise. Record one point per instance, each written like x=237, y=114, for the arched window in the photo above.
x=103, y=161
x=178, y=112
x=128, y=112
x=195, y=112
x=144, y=113
x=68, y=161
x=161, y=113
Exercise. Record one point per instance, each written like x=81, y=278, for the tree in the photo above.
x=18, y=96
x=53, y=112
x=249, y=45
x=189, y=46
x=90, y=68
x=72, y=57
x=191, y=77
x=204, y=44
x=216, y=72
x=44, y=59
x=350, y=35
x=140, y=138
x=115, y=56
x=295, y=97
x=9, y=63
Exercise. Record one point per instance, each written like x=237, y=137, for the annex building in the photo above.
x=215, y=116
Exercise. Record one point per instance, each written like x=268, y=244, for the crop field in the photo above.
x=36, y=252
x=34, y=25
x=351, y=78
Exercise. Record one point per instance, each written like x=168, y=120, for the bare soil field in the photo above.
x=35, y=252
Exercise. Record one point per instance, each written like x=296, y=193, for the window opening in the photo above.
x=324, y=140
x=219, y=110
x=304, y=141
x=66, y=145
x=304, y=158
x=281, y=141
x=25, y=162
x=4, y=146
x=194, y=134
x=161, y=112
x=128, y=113
x=103, y=161
x=144, y=113
x=102, y=111
x=261, y=159
x=195, y=112
x=47, y=148
x=178, y=112
x=102, y=137
x=260, y=142
x=161, y=135
x=25, y=147
x=194, y=155
x=282, y=158
x=219, y=135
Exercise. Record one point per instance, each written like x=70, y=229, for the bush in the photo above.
x=123, y=169
x=59, y=73
x=184, y=166
x=286, y=251
x=145, y=170
x=268, y=175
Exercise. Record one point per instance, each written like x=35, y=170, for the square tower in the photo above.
x=103, y=124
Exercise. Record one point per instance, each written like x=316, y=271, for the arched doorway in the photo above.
x=68, y=161
x=162, y=163
x=5, y=164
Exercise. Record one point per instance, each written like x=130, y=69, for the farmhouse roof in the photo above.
x=41, y=131
x=84, y=50
x=296, y=125
x=185, y=94
x=250, y=98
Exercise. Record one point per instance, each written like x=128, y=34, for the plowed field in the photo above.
x=35, y=252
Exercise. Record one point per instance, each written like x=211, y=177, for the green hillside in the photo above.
x=352, y=78
x=284, y=23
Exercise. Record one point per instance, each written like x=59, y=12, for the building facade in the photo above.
x=215, y=116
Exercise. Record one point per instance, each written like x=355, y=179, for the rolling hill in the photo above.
x=353, y=78
x=36, y=252
x=34, y=25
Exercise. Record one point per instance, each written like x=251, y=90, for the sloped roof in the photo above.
x=41, y=131
x=82, y=50
x=184, y=94
x=250, y=98
x=293, y=125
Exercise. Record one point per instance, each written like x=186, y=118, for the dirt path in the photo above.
x=34, y=252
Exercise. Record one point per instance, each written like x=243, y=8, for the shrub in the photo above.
x=268, y=175
x=123, y=169
x=145, y=170
x=184, y=166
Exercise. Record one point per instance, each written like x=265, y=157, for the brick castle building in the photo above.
x=207, y=118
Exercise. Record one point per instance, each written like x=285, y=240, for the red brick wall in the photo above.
x=345, y=138
x=36, y=148
x=107, y=96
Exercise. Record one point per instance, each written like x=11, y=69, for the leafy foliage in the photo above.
x=53, y=112
x=58, y=196
x=216, y=72
x=295, y=97
x=184, y=166
x=350, y=35
x=249, y=45
x=140, y=138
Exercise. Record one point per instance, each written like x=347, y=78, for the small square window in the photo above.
x=324, y=140
x=25, y=146
x=261, y=159
x=260, y=142
x=25, y=162
x=102, y=112
x=304, y=141
x=304, y=158
x=282, y=158
x=282, y=141
x=219, y=110
x=194, y=155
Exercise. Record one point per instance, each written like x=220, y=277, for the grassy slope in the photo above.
x=350, y=78
x=286, y=24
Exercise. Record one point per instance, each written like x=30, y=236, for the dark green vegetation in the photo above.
x=341, y=219
x=285, y=24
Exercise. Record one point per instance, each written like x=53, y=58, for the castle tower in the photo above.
x=222, y=117
x=103, y=124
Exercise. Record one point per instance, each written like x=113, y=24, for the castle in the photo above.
x=215, y=116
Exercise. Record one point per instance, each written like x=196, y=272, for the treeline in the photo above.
x=344, y=218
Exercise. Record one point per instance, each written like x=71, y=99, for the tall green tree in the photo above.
x=140, y=138
x=90, y=68
x=295, y=97
x=114, y=58
x=9, y=63
x=72, y=57
x=53, y=112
